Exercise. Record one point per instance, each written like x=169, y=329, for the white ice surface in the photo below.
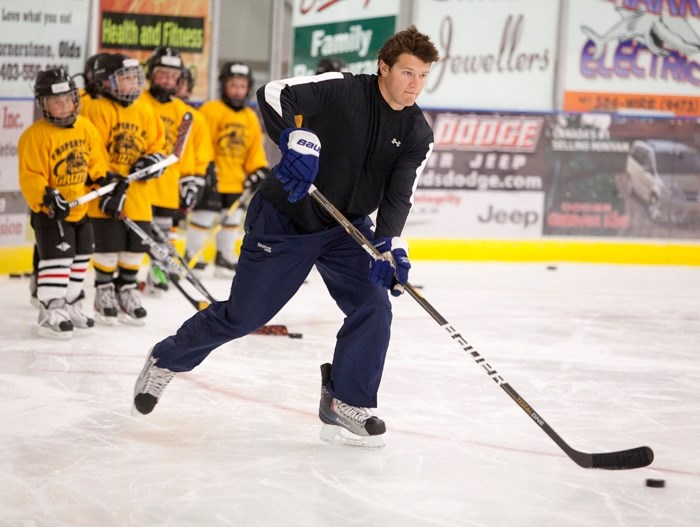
x=609, y=356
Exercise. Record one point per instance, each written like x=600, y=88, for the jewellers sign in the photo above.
x=494, y=55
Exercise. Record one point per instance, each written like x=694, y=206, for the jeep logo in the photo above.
x=513, y=217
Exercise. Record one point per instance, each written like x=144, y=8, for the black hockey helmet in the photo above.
x=113, y=71
x=329, y=64
x=163, y=57
x=51, y=83
x=235, y=69
x=92, y=87
x=187, y=77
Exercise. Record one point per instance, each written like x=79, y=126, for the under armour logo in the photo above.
x=395, y=142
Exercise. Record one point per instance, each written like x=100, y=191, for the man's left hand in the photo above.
x=391, y=270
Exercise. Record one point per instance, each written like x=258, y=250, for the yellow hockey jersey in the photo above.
x=238, y=144
x=60, y=158
x=200, y=138
x=128, y=133
x=165, y=191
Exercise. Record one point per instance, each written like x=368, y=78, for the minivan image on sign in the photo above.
x=666, y=176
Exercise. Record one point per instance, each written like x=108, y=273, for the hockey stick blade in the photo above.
x=622, y=460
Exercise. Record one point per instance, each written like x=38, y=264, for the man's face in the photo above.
x=401, y=84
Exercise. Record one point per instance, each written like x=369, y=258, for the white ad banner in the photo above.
x=632, y=56
x=494, y=55
x=15, y=116
x=13, y=228
x=36, y=35
x=311, y=12
x=455, y=214
x=633, y=47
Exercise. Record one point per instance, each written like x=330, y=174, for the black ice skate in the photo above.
x=150, y=385
x=347, y=425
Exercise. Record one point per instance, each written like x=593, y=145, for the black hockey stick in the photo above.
x=624, y=459
x=176, y=266
x=183, y=133
x=175, y=271
x=162, y=239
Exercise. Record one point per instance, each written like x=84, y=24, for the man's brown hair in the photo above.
x=411, y=41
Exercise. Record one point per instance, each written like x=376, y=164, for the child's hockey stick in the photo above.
x=176, y=267
x=162, y=239
x=215, y=230
x=175, y=271
x=183, y=132
x=624, y=459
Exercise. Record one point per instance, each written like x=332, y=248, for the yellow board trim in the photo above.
x=17, y=260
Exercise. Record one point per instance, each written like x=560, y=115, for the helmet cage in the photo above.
x=56, y=83
x=131, y=70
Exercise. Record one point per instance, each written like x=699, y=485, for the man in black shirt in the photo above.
x=363, y=144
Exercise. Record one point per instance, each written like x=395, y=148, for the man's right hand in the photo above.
x=298, y=167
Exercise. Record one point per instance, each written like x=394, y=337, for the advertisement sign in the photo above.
x=476, y=215
x=137, y=27
x=515, y=176
x=494, y=55
x=34, y=35
x=623, y=177
x=352, y=31
x=486, y=177
x=39, y=34
x=632, y=56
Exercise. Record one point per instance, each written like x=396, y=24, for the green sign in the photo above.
x=355, y=42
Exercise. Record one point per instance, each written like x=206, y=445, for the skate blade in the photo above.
x=105, y=321
x=338, y=435
x=83, y=332
x=56, y=335
x=131, y=321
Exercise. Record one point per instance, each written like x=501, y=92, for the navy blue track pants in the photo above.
x=274, y=262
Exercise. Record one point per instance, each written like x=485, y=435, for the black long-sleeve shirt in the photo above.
x=371, y=155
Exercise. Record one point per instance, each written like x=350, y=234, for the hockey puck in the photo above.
x=295, y=335
x=551, y=268
x=15, y=275
x=656, y=483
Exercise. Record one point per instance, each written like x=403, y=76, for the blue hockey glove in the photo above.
x=112, y=204
x=146, y=161
x=390, y=271
x=56, y=204
x=298, y=167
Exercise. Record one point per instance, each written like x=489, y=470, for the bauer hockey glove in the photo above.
x=391, y=270
x=112, y=204
x=298, y=167
x=191, y=189
x=56, y=204
x=255, y=179
x=147, y=161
